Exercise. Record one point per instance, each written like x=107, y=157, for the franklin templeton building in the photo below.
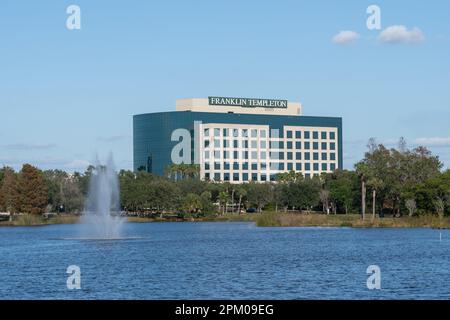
x=237, y=139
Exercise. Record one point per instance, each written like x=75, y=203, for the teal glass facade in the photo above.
x=152, y=145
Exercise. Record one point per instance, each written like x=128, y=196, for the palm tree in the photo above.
x=362, y=170
x=376, y=184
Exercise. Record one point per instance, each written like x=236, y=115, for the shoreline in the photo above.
x=266, y=219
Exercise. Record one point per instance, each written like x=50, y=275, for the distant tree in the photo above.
x=324, y=195
x=375, y=184
x=32, y=190
x=411, y=206
x=192, y=203
x=259, y=194
x=9, y=192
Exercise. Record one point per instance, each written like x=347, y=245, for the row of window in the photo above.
x=245, y=176
x=324, y=156
x=280, y=166
x=290, y=134
x=273, y=144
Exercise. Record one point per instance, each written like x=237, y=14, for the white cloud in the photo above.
x=345, y=37
x=29, y=146
x=401, y=34
x=113, y=138
x=433, y=141
x=77, y=164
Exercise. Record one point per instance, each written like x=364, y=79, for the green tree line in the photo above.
x=397, y=181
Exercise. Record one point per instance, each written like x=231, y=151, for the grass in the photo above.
x=271, y=219
x=38, y=220
x=211, y=218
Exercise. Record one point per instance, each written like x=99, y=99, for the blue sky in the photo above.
x=66, y=95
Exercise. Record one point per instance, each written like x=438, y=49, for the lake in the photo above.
x=225, y=260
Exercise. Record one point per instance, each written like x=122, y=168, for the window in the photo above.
x=281, y=166
x=315, y=156
x=332, y=166
x=254, y=133
x=307, y=145
x=332, y=135
x=235, y=132
x=324, y=167
x=315, y=135
x=315, y=145
x=217, y=176
x=298, y=145
x=276, y=144
x=216, y=143
x=289, y=144
x=332, y=146
x=263, y=154
x=262, y=133
x=225, y=132
x=206, y=143
x=306, y=135
x=254, y=144
x=216, y=132
x=298, y=155
x=333, y=156
x=323, y=135
x=226, y=176
x=263, y=166
x=307, y=156
x=298, y=166
x=226, y=143
x=324, y=146
x=254, y=176
x=324, y=156
x=206, y=132
x=254, y=166
x=226, y=154
x=289, y=155
x=281, y=156
x=245, y=133
x=235, y=144
x=235, y=154
x=254, y=155
x=206, y=166
x=290, y=166
x=207, y=176
x=262, y=144
x=235, y=165
x=307, y=166
x=245, y=176
x=298, y=134
x=216, y=154
x=226, y=166
x=273, y=177
x=245, y=155
x=235, y=176
x=216, y=166
x=316, y=167
x=245, y=166
x=245, y=144
x=289, y=134
x=206, y=154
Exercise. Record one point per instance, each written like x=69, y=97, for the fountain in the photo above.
x=101, y=218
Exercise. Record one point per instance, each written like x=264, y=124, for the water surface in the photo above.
x=229, y=260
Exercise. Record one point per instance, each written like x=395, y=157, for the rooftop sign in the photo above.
x=247, y=102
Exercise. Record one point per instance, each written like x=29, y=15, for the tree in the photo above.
x=325, y=199
x=439, y=205
x=375, y=184
x=259, y=194
x=411, y=206
x=9, y=192
x=33, y=191
x=192, y=203
x=362, y=170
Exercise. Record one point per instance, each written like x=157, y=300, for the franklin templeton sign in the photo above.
x=247, y=102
